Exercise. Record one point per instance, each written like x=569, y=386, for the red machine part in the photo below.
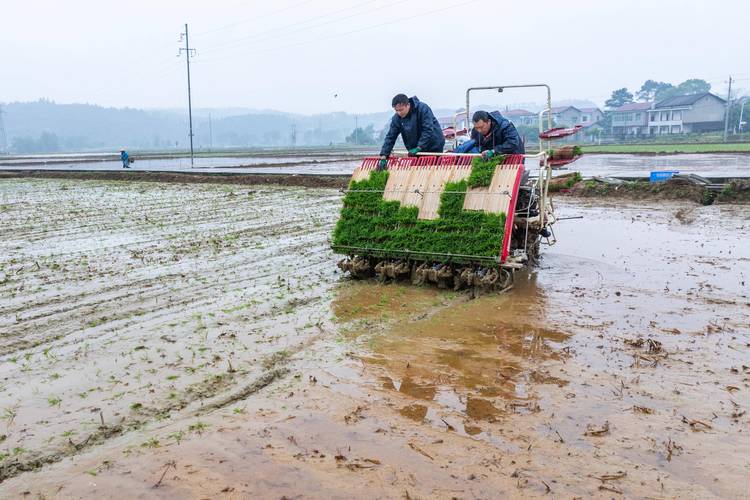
x=560, y=132
x=510, y=162
x=450, y=132
x=560, y=163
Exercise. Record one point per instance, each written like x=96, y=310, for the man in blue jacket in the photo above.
x=125, y=158
x=417, y=126
x=492, y=134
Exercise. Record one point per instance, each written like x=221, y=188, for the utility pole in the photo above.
x=356, y=129
x=210, y=134
x=726, y=113
x=294, y=135
x=3, y=138
x=188, y=54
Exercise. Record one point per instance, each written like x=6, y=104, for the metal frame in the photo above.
x=545, y=173
x=501, y=88
x=455, y=126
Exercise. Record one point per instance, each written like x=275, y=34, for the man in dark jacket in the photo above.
x=492, y=134
x=417, y=126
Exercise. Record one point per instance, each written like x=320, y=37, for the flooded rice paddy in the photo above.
x=337, y=162
x=196, y=341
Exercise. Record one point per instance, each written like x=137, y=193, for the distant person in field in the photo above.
x=125, y=158
x=417, y=126
x=492, y=134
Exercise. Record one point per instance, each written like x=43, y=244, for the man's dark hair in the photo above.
x=480, y=115
x=399, y=99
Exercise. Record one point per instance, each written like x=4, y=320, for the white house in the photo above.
x=684, y=114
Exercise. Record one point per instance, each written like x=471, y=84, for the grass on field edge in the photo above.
x=742, y=147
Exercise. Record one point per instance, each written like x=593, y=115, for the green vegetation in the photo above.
x=483, y=170
x=198, y=427
x=707, y=197
x=9, y=414
x=742, y=147
x=177, y=436
x=737, y=190
x=151, y=443
x=386, y=229
x=570, y=181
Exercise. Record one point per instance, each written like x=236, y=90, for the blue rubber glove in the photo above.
x=486, y=155
x=383, y=164
x=414, y=151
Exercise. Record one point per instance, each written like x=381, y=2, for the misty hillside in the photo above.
x=44, y=126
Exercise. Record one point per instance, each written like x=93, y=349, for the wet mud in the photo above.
x=280, y=179
x=208, y=324
x=670, y=190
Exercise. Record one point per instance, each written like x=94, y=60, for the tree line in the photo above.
x=651, y=91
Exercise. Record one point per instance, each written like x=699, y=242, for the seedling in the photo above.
x=9, y=414
x=198, y=427
x=151, y=443
x=177, y=436
x=482, y=171
x=387, y=228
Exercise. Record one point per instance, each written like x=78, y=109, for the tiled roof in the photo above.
x=633, y=106
x=684, y=100
x=560, y=109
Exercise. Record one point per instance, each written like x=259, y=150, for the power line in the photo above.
x=339, y=35
x=249, y=19
x=256, y=37
x=168, y=65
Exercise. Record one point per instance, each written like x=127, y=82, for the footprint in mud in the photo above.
x=685, y=215
x=415, y=412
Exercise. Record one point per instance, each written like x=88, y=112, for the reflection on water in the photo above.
x=479, y=357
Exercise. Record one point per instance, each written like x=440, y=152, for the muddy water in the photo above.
x=618, y=367
x=628, y=346
x=458, y=356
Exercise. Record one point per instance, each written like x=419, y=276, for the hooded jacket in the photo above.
x=503, y=137
x=418, y=129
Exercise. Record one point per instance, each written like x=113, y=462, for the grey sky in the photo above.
x=295, y=55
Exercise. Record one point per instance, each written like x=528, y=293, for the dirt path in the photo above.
x=280, y=179
x=208, y=330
